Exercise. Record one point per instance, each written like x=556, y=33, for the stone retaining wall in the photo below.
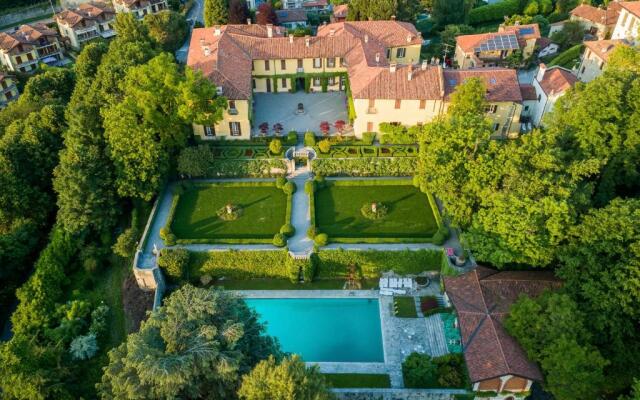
x=396, y=394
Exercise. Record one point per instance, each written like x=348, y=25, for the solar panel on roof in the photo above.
x=526, y=31
x=501, y=42
x=452, y=82
x=492, y=81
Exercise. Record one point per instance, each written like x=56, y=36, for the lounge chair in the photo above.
x=393, y=283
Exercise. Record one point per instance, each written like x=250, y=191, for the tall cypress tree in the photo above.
x=216, y=12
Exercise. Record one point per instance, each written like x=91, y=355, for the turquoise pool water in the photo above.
x=324, y=330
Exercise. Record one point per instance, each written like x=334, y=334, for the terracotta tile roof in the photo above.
x=528, y=92
x=315, y=3
x=632, y=6
x=226, y=58
x=556, y=80
x=603, y=48
x=502, y=83
x=31, y=34
x=482, y=299
x=607, y=17
x=526, y=32
x=472, y=43
x=341, y=11
x=291, y=15
x=86, y=11
x=138, y=3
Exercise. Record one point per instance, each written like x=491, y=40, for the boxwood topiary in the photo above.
x=308, y=187
x=288, y=230
x=280, y=182
x=289, y=187
x=321, y=239
x=279, y=240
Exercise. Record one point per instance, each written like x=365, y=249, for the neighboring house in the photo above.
x=140, y=8
x=595, y=57
x=292, y=18
x=309, y=5
x=340, y=13
x=550, y=84
x=556, y=27
x=22, y=49
x=87, y=22
x=8, y=90
x=628, y=22
x=529, y=103
x=546, y=47
x=482, y=298
x=598, y=22
x=492, y=49
x=374, y=62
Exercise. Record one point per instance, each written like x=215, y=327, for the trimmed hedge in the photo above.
x=371, y=263
x=255, y=141
x=258, y=168
x=493, y=12
x=369, y=151
x=240, y=264
x=567, y=58
x=369, y=166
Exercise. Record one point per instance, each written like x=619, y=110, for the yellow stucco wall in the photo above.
x=412, y=54
x=408, y=114
x=222, y=128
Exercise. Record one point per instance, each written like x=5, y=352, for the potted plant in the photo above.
x=339, y=125
x=277, y=127
x=264, y=128
x=324, y=127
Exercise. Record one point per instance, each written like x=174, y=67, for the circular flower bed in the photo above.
x=374, y=210
x=230, y=212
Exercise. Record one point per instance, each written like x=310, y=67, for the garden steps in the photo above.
x=436, y=339
x=416, y=299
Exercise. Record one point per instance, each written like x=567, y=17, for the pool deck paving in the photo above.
x=400, y=336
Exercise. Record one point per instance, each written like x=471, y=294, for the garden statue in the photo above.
x=374, y=207
x=300, y=109
x=229, y=209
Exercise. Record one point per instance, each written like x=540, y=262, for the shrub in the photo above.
x=312, y=232
x=451, y=371
x=380, y=211
x=321, y=239
x=229, y=212
x=289, y=187
x=493, y=12
x=99, y=320
x=419, y=371
x=308, y=187
x=370, y=166
x=292, y=137
x=275, y=147
x=309, y=139
x=320, y=181
x=279, y=240
x=239, y=264
x=441, y=236
x=368, y=138
x=324, y=146
x=280, y=182
x=165, y=235
x=173, y=262
x=288, y=230
x=84, y=347
x=126, y=243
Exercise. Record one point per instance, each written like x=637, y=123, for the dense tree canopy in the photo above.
x=215, y=12
x=168, y=28
x=238, y=12
x=199, y=343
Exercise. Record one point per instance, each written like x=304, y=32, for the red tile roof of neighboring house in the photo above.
x=482, y=299
x=138, y=3
x=603, y=48
x=526, y=32
x=632, y=6
x=91, y=11
x=557, y=79
x=291, y=15
x=528, y=92
x=29, y=34
x=341, y=11
x=607, y=17
x=315, y=3
x=501, y=83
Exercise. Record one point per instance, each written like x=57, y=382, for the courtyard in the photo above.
x=338, y=211
x=282, y=108
x=261, y=207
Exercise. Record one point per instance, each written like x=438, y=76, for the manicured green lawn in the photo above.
x=358, y=380
x=263, y=212
x=338, y=212
x=405, y=307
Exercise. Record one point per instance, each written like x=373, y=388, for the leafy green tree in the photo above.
x=363, y=10
x=193, y=162
x=450, y=12
x=54, y=85
x=198, y=344
x=238, y=12
x=290, y=379
x=450, y=32
x=419, y=371
x=168, y=28
x=216, y=12
x=129, y=29
x=571, y=34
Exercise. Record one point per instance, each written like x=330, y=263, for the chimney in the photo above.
x=424, y=65
x=290, y=38
x=216, y=30
x=410, y=72
x=207, y=52
x=332, y=32
x=542, y=68
x=377, y=58
x=269, y=30
x=393, y=17
x=409, y=38
x=248, y=21
x=392, y=67
x=201, y=42
x=307, y=40
x=366, y=38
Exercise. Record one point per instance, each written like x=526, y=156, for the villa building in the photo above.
x=550, y=84
x=340, y=13
x=482, y=299
x=492, y=49
x=598, y=22
x=88, y=21
x=8, y=90
x=22, y=49
x=140, y=8
x=376, y=64
x=595, y=57
x=308, y=5
x=628, y=22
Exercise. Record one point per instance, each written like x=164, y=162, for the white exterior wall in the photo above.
x=627, y=26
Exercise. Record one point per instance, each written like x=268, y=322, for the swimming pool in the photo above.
x=324, y=330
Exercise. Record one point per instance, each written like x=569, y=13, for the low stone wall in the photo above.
x=37, y=10
x=396, y=394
